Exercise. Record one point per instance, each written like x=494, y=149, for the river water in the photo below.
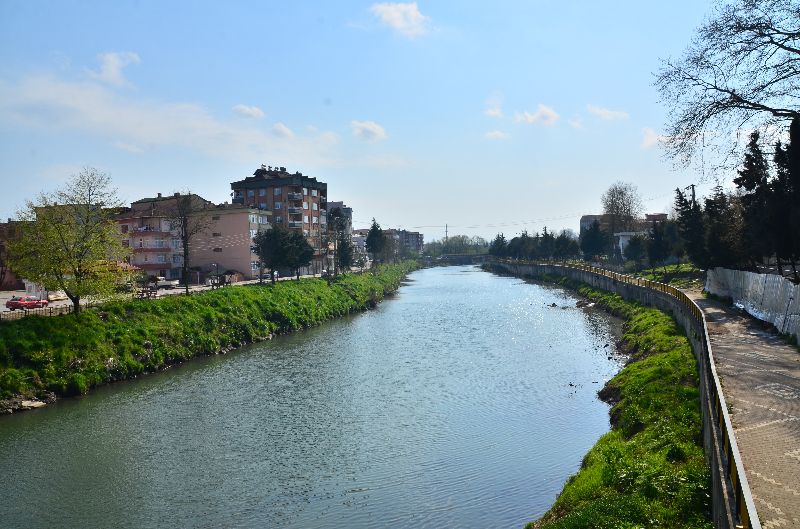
x=449, y=405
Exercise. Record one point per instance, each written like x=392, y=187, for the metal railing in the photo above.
x=735, y=473
x=45, y=311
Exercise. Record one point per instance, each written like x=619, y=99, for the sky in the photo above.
x=485, y=117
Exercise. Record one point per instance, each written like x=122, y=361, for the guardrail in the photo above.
x=736, y=480
x=45, y=311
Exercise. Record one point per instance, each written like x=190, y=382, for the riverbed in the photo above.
x=464, y=400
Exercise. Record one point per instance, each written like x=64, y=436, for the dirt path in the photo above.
x=760, y=374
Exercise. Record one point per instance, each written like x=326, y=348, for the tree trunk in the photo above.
x=184, y=240
x=76, y=302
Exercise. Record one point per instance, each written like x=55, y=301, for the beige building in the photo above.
x=226, y=243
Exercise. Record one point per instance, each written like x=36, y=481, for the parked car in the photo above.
x=25, y=302
x=169, y=284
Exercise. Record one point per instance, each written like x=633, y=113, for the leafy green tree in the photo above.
x=186, y=214
x=299, y=252
x=344, y=252
x=499, y=245
x=376, y=240
x=720, y=236
x=595, y=241
x=636, y=249
x=68, y=239
x=658, y=245
x=272, y=247
x=691, y=228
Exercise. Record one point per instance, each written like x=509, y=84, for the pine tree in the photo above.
x=691, y=228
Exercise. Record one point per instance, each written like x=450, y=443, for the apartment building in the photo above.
x=411, y=240
x=226, y=242
x=293, y=201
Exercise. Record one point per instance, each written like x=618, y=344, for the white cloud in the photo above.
x=129, y=148
x=312, y=128
x=404, y=18
x=651, y=139
x=248, y=112
x=282, y=130
x=578, y=123
x=497, y=135
x=496, y=112
x=368, y=131
x=606, y=113
x=48, y=103
x=544, y=116
x=111, y=65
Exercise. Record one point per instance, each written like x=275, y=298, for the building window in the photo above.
x=305, y=205
x=262, y=205
x=277, y=191
x=254, y=219
x=237, y=194
x=305, y=232
x=253, y=233
x=305, y=219
x=305, y=191
x=124, y=228
x=174, y=273
x=264, y=220
x=141, y=243
x=278, y=205
x=316, y=220
x=251, y=192
x=218, y=249
x=278, y=219
x=159, y=242
x=316, y=233
x=313, y=192
x=262, y=192
x=176, y=243
x=254, y=265
x=315, y=206
x=176, y=259
x=254, y=249
x=215, y=217
x=161, y=258
x=216, y=235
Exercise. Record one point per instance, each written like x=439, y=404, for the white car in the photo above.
x=163, y=282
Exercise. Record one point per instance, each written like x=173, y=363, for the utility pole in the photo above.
x=692, y=186
x=445, y=232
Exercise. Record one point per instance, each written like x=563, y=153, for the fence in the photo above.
x=768, y=297
x=46, y=311
x=731, y=501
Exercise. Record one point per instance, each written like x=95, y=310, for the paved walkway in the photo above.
x=760, y=374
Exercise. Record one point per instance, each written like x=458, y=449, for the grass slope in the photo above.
x=649, y=471
x=70, y=354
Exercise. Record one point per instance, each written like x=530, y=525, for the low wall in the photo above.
x=768, y=297
x=731, y=501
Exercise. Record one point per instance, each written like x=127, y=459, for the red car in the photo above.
x=26, y=302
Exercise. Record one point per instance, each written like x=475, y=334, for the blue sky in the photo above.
x=486, y=116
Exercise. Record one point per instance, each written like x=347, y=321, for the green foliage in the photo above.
x=650, y=469
x=636, y=249
x=71, y=354
x=595, y=241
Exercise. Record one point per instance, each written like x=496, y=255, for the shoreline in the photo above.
x=137, y=338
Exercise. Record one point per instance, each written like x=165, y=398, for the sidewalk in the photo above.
x=760, y=375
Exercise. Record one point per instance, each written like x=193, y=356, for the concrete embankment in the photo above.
x=730, y=499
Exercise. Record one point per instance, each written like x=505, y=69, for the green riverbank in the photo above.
x=650, y=470
x=46, y=357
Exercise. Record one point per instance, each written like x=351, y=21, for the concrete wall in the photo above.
x=730, y=493
x=768, y=297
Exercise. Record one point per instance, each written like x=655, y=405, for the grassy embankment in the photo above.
x=649, y=471
x=678, y=275
x=70, y=354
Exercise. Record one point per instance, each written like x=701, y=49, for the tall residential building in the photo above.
x=225, y=244
x=293, y=201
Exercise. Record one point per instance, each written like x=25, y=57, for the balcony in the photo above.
x=294, y=210
x=295, y=196
x=295, y=224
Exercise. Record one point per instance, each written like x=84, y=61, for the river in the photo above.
x=449, y=405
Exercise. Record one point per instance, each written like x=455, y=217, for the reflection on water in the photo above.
x=448, y=406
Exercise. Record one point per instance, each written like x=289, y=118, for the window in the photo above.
x=305, y=191
x=262, y=192
x=237, y=194
x=278, y=219
x=254, y=265
x=316, y=233
x=174, y=273
x=305, y=232
x=277, y=191
x=313, y=192
x=124, y=228
x=215, y=217
x=216, y=235
x=316, y=220
x=161, y=258
x=305, y=218
x=315, y=206
x=141, y=243
x=176, y=259
x=159, y=242
x=253, y=219
x=262, y=205
x=253, y=233
x=176, y=243
x=254, y=249
x=277, y=205
x=218, y=249
x=126, y=244
x=305, y=205
x=316, y=246
x=251, y=192
x=264, y=220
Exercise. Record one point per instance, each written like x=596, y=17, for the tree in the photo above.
x=186, y=214
x=498, y=246
x=636, y=249
x=622, y=207
x=299, y=252
x=691, y=228
x=6, y=236
x=658, y=245
x=344, y=252
x=376, y=240
x=757, y=201
x=595, y=241
x=741, y=71
x=67, y=240
x=337, y=232
x=272, y=248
